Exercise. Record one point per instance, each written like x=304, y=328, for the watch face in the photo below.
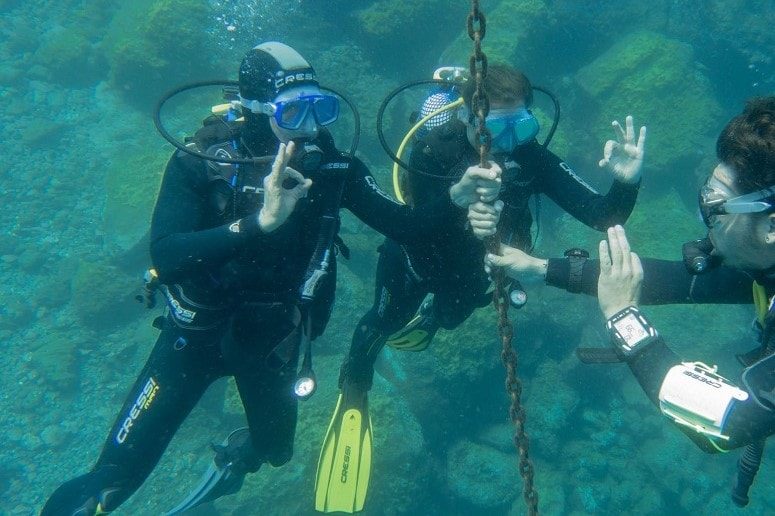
x=577, y=253
x=631, y=330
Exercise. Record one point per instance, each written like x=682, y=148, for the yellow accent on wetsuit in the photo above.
x=760, y=302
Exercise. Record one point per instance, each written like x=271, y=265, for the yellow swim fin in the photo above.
x=418, y=333
x=345, y=458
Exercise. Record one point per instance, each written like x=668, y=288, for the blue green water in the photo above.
x=82, y=161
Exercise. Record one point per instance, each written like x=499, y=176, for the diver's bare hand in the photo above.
x=517, y=264
x=624, y=157
x=279, y=202
x=477, y=184
x=484, y=218
x=621, y=274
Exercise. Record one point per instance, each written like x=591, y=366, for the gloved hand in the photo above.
x=517, y=264
x=477, y=184
x=279, y=202
x=621, y=274
x=484, y=218
x=624, y=157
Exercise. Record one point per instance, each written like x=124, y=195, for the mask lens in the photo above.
x=498, y=126
x=526, y=128
x=513, y=129
x=505, y=141
x=711, y=204
x=291, y=114
x=326, y=108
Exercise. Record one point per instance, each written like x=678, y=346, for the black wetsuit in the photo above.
x=668, y=282
x=450, y=264
x=233, y=297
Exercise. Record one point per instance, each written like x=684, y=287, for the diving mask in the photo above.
x=510, y=128
x=291, y=114
x=713, y=202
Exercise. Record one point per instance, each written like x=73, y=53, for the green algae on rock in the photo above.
x=654, y=78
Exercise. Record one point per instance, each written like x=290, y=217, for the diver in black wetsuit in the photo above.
x=406, y=273
x=236, y=250
x=738, y=207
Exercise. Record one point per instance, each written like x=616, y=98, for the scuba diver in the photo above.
x=245, y=258
x=737, y=204
x=401, y=315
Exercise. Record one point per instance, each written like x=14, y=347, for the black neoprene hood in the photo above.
x=271, y=67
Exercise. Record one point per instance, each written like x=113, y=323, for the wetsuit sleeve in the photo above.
x=179, y=244
x=400, y=222
x=665, y=282
x=746, y=422
x=572, y=194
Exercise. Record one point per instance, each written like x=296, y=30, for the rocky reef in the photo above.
x=83, y=163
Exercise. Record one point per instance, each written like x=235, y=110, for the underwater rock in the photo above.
x=103, y=296
x=402, y=35
x=481, y=475
x=8, y=243
x=131, y=184
x=155, y=44
x=347, y=69
x=68, y=57
x=643, y=66
x=54, y=436
x=550, y=485
x=509, y=38
x=499, y=436
x=15, y=314
x=40, y=132
x=554, y=396
x=31, y=259
x=55, y=360
x=52, y=293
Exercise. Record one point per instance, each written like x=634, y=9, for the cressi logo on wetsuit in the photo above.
x=142, y=403
x=183, y=315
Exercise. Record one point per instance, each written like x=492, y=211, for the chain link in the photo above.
x=480, y=108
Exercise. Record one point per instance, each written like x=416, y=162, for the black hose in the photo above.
x=395, y=92
x=747, y=467
x=235, y=161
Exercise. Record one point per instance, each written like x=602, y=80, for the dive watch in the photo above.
x=630, y=332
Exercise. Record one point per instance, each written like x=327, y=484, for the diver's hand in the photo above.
x=517, y=264
x=624, y=157
x=477, y=184
x=279, y=202
x=484, y=218
x=621, y=274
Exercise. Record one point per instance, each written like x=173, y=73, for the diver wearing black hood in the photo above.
x=245, y=259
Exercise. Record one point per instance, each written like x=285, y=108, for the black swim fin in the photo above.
x=224, y=476
x=344, y=466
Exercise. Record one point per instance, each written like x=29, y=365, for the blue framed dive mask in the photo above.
x=291, y=114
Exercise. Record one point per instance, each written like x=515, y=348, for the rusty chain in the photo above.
x=480, y=107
